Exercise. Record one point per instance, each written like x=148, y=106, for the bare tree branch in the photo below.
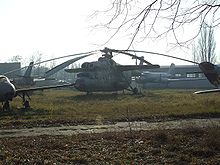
x=158, y=18
x=205, y=48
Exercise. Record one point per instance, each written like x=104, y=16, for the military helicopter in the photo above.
x=28, y=81
x=105, y=75
x=8, y=92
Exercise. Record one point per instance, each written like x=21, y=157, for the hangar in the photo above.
x=185, y=77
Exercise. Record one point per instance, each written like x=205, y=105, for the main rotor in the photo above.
x=107, y=53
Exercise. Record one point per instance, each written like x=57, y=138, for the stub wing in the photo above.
x=18, y=91
x=136, y=67
x=207, y=91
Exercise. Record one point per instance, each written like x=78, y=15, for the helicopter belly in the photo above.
x=95, y=85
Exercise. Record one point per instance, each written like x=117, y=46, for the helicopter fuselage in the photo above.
x=102, y=75
x=102, y=81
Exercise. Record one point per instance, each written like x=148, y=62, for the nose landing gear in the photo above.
x=6, y=106
x=26, y=103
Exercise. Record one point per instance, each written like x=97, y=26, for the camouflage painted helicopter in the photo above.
x=105, y=75
x=85, y=81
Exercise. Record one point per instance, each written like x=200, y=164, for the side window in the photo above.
x=3, y=79
x=190, y=75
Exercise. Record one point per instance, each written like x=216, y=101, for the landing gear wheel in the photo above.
x=6, y=106
x=135, y=91
x=26, y=104
x=88, y=93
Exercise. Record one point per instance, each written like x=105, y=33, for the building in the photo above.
x=183, y=71
x=186, y=77
x=7, y=67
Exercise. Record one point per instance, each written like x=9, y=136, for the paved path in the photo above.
x=120, y=126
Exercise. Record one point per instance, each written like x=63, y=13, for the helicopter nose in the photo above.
x=80, y=84
x=10, y=93
x=7, y=91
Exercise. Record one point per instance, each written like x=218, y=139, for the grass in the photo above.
x=67, y=106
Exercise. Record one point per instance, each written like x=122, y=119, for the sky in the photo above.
x=53, y=27
x=61, y=27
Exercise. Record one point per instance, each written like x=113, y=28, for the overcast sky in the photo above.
x=57, y=28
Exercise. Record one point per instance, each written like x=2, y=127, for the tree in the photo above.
x=16, y=58
x=205, y=49
x=36, y=58
x=160, y=18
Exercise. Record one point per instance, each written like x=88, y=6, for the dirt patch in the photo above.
x=117, y=127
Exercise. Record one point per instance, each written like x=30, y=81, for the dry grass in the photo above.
x=186, y=146
x=67, y=106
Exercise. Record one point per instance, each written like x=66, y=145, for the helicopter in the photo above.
x=8, y=91
x=105, y=75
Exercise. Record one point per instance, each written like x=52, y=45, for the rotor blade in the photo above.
x=160, y=54
x=134, y=56
x=63, y=65
x=165, y=55
x=106, y=50
x=77, y=54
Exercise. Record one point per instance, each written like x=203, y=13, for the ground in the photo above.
x=187, y=145
x=194, y=146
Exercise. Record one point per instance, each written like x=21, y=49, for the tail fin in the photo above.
x=27, y=73
x=171, y=69
x=211, y=72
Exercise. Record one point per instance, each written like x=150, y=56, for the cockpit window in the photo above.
x=3, y=79
x=84, y=65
